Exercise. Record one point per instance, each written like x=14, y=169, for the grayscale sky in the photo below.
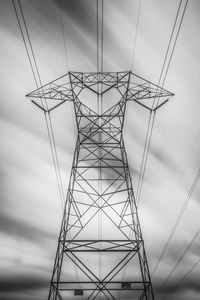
x=30, y=209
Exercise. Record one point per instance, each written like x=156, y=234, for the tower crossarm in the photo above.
x=146, y=93
x=52, y=94
x=68, y=87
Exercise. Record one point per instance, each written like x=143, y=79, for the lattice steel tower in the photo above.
x=100, y=252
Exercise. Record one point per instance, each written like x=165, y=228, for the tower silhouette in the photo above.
x=100, y=252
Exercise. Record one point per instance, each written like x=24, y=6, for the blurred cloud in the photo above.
x=30, y=207
x=25, y=282
x=21, y=229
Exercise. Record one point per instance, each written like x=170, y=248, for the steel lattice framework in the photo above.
x=100, y=252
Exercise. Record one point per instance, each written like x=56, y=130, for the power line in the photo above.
x=47, y=115
x=102, y=31
x=133, y=55
x=182, y=279
x=99, y=58
x=35, y=71
x=151, y=124
x=176, y=38
x=180, y=259
x=29, y=42
x=60, y=3
x=149, y=131
x=63, y=35
x=24, y=41
x=126, y=116
x=190, y=155
x=170, y=41
x=97, y=20
x=99, y=33
x=164, y=71
x=136, y=35
x=54, y=157
x=195, y=181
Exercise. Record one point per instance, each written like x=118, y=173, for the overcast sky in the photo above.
x=30, y=212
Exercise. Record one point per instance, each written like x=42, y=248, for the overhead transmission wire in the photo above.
x=136, y=35
x=151, y=124
x=35, y=71
x=63, y=34
x=67, y=69
x=184, y=206
x=134, y=51
x=147, y=143
x=126, y=116
x=190, y=155
x=179, y=260
x=182, y=279
x=99, y=138
x=162, y=78
x=64, y=38
x=48, y=121
x=99, y=59
x=152, y=118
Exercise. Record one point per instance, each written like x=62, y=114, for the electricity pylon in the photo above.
x=100, y=252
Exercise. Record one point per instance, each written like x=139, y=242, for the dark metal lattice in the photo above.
x=100, y=251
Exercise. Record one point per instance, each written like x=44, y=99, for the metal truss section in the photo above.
x=142, y=91
x=101, y=245
x=100, y=252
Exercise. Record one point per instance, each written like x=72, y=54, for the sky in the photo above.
x=31, y=211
